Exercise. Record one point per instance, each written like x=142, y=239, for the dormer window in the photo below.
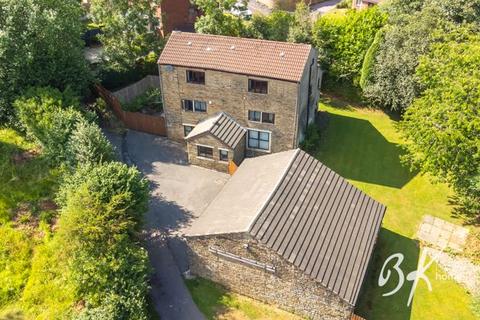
x=197, y=77
x=257, y=86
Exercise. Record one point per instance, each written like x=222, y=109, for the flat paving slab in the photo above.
x=442, y=234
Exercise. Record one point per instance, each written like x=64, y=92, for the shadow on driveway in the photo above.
x=179, y=194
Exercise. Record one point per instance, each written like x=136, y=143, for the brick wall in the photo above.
x=287, y=288
x=176, y=15
x=229, y=93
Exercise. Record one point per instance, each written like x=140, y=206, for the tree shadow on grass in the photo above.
x=371, y=304
x=355, y=149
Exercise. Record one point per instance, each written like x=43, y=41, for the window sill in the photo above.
x=205, y=158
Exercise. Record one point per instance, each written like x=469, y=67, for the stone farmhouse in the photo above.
x=287, y=230
x=228, y=98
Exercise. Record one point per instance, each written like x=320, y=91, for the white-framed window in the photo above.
x=259, y=116
x=223, y=154
x=259, y=140
x=194, y=105
x=187, y=128
x=204, y=152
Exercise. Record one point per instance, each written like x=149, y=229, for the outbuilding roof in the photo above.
x=262, y=58
x=304, y=211
x=222, y=127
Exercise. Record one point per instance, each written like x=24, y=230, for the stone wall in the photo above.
x=288, y=287
x=229, y=93
x=236, y=155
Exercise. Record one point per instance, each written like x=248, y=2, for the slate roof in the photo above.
x=262, y=58
x=222, y=127
x=322, y=224
x=307, y=213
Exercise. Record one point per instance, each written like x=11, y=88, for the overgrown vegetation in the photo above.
x=83, y=261
x=150, y=100
x=40, y=45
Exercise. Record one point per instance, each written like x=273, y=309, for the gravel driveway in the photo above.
x=180, y=193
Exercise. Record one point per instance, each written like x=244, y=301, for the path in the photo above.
x=179, y=194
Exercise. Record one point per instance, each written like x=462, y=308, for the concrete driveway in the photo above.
x=180, y=193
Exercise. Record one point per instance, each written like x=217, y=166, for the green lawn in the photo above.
x=363, y=145
x=25, y=187
x=217, y=303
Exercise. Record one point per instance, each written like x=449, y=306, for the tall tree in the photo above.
x=217, y=19
x=442, y=126
x=412, y=28
x=130, y=34
x=40, y=45
x=301, y=28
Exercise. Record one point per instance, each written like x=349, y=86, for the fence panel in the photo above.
x=133, y=120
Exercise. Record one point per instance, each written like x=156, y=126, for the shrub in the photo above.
x=88, y=145
x=312, y=139
x=343, y=40
x=50, y=117
x=110, y=271
x=150, y=99
x=110, y=180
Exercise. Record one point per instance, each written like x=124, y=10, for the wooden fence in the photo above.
x=154, y=124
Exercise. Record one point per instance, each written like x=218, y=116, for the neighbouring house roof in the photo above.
x=222, y=127
x=262, y=58
x=304, y=211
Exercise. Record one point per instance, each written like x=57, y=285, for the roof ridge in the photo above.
x=242, y=38
x=284, y=174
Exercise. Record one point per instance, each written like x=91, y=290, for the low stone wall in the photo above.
x=127, y=94
x=288, y=287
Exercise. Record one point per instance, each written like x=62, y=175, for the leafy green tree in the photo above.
x=274, y=26
x=50, y=117
x=343, y=40
x=412, y=27
x=392, y=82
x=301, y=27
x=40, y=45
x=216, y=18
x=88, y=145
x=442, y=126
x=130, y=37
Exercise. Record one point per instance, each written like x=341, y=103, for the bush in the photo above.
x=343, y=41
x=50, y=117
x=275, y=26
x=110, y=180
x=88, y=145
x=150, y=99
x=110, y=271
x=312, y=139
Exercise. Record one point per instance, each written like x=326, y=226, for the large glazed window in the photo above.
x=259, y=140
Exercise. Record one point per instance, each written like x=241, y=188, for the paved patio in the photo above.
x=442, y=234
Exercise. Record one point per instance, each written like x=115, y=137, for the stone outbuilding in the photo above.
x=287, y=230
x=216, y=143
